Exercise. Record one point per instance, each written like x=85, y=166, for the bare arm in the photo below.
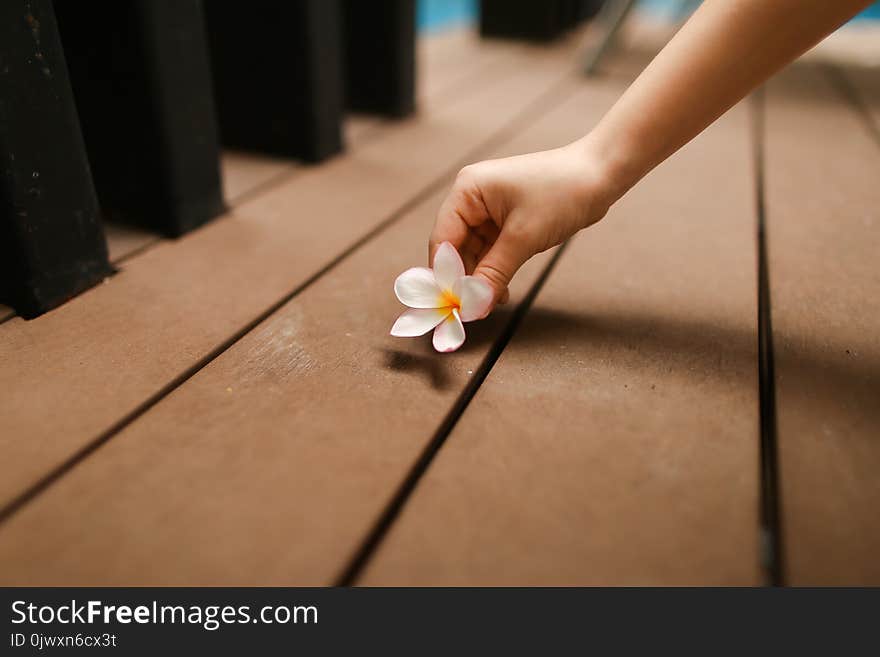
x=499, y=213
x=727, y=49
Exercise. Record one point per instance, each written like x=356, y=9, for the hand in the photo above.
x=500, y=213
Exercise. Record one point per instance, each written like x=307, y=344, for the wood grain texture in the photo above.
x=823, y=222
x=615, y=442
x=447, y=60
x=124, y=240
x=247, y=173
x=451, y=62
x=243, y=172
x=280, y=454
x=866, y=82
x=79, y=370
x=270, y=465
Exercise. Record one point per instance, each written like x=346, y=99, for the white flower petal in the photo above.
x=417, y=288
x=449, y=335
x=475, y=296
x=448, y=266
x=418, y=321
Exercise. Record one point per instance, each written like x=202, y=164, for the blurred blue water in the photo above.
x=871, y=13
x=436, y=15
x=670, y=8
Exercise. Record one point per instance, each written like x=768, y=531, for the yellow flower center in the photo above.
x=449, y=300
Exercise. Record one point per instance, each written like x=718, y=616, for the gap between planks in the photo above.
x=616, y=440
x=248, y=175
x=821, y=199
x=439, y=60
x=535, y=69
x=771, y=552
x=322, y=496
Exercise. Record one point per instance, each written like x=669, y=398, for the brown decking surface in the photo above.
x=228, y=408
x=822, y=162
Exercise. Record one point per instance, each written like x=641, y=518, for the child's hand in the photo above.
x=500, y=213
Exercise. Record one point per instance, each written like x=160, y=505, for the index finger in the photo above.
x=449, y=226
x=459, y=212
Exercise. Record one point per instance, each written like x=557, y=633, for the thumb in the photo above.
x=499, y=265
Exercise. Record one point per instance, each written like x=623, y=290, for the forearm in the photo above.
x=723, y=52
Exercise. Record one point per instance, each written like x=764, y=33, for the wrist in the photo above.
x=606, y=169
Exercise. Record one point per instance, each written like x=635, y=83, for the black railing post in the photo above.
x=51, y=240
x=379, y=43
x=278, y=75
x=521, y=19
x=532, y=20
x=142, y=84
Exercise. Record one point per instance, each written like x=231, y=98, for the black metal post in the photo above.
x=278, y=75
x=531, y=20
x=379, y=44
x=51, y=240
x=522, y=19
x=142, y=83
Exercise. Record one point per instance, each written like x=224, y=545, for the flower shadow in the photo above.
x=427, y=365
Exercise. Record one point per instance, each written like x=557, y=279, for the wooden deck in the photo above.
x=229, y=409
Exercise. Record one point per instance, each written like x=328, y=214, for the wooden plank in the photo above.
x=448, y=60
x=276, y=457
x=245, y=173
x=358, y=129
x=97, y=360
x=451, y=62
x=445, y=61
x=866, y=82
x=823, y=216
x=615, y=440
x=298, y=435
x=449, y=52
x=123, y=240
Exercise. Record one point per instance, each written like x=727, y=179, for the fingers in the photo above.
x=488, y=231
x=489, y=252
x=501, y=262
x=472, y=251
x=461, y=212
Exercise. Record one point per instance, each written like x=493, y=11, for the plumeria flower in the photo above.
x=440, y=299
